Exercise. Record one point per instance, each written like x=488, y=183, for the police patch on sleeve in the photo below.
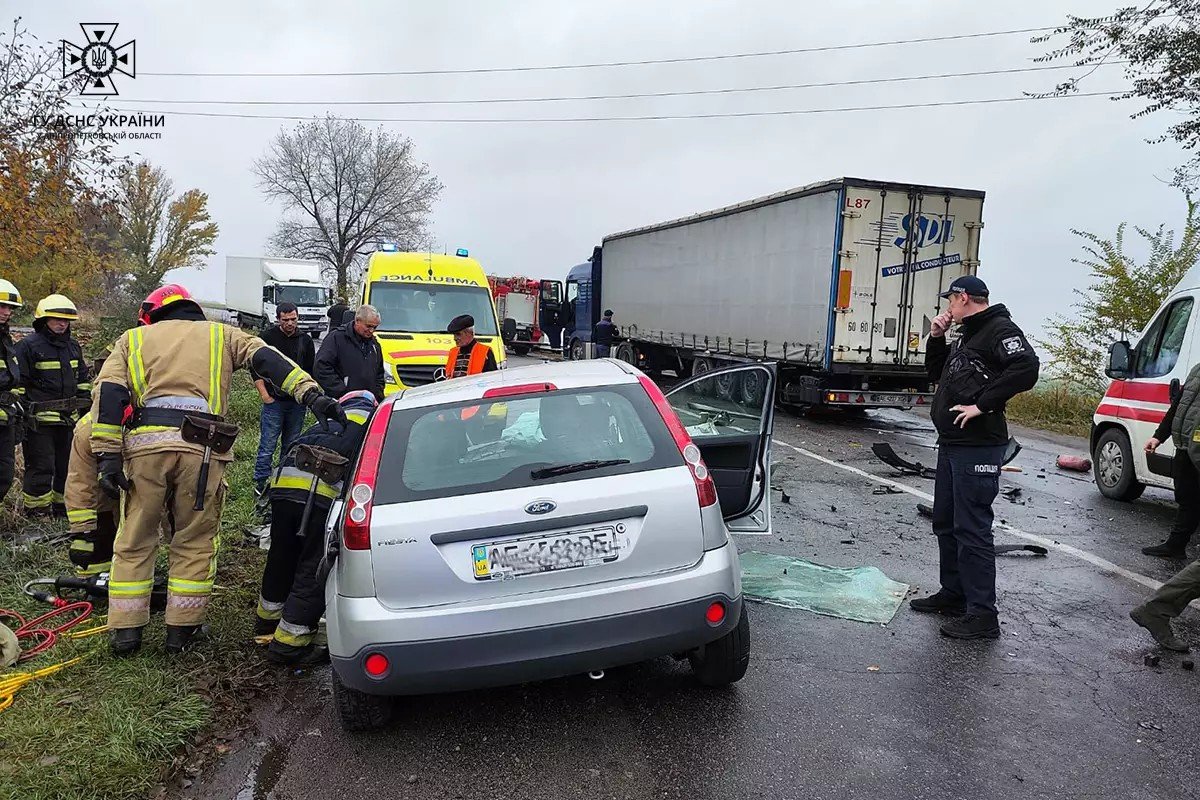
x=1013, y=345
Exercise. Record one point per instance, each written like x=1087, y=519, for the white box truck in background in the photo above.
x=836, y=282
x=255, y=286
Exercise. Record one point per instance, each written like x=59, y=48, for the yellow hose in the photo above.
x=9, y=684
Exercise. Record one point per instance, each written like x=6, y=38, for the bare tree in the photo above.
x=345, y=189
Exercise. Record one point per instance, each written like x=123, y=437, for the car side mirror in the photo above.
x=1120, y=361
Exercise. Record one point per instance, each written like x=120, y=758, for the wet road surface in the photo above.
x=1061, y=706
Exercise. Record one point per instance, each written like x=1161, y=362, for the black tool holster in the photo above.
x=214, y=437
x=324, y=465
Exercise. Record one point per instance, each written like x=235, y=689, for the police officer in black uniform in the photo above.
x=989, y=364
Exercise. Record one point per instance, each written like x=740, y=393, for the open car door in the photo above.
x=730, y=415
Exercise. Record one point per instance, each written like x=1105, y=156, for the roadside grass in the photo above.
x=1054, y=408
x=110, y=728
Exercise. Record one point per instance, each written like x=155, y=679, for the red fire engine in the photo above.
x=517, y=306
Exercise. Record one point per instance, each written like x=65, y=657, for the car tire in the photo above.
x=724, y=661
x=1112, y=467
x=359, y=711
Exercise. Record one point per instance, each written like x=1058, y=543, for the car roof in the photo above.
x=564, y=375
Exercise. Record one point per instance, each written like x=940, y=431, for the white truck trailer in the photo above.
x=836, y=282
x=255, y=286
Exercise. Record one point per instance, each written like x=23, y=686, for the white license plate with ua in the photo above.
x=534, y=555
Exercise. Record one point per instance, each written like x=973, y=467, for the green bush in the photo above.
x=1054, y=407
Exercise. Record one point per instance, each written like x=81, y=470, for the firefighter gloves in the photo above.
x=324, y=408
x=112, y=474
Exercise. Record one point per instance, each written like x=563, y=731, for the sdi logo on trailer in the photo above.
x=929, y=229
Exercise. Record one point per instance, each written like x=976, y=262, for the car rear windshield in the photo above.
x=509, y=443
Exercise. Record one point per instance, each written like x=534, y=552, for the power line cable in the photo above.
x=599, y=64
x=635, y=118
x=630, y=96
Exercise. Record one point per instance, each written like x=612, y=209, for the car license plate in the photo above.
x=896, y=399
x=538, y=554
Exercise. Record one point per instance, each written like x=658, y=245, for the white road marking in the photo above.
x=1049, y=544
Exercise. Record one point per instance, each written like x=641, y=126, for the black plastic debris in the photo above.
x=1188, y=664
x=1021, y=548
x=885, y=489
x=884, y=452
x=1152, y=660
x=924, y=510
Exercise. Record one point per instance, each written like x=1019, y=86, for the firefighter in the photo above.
x=175, y=368
x=468, y=356
x=52, y=369
x=94, y=517
x=292, y=599
x=10, y=380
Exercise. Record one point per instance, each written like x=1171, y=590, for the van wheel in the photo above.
x=1113, y=467
x=577, y=350
x=359, y=711
x=724, y=661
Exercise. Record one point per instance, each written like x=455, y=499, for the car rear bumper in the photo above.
x=512, y=657
x=532, y=637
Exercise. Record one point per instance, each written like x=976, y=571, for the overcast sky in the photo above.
x=533, y=198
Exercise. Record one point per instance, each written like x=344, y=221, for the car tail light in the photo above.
x=521, y=388
x=376, y=665
x=715, y=613
x=706, y=490
x=356, y=528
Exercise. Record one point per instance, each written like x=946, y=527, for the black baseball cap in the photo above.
x=969, y=284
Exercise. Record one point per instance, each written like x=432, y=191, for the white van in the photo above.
x=1144, y=380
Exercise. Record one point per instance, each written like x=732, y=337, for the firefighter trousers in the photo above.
x=8, y=457
x=47, y=452
x=290, y=591
x=159, y=478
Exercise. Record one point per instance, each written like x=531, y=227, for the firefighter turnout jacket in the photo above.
x=292, y=484
x=52, y=367
x=157, y=368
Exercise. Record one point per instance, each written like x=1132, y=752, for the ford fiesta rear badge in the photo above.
x=541, y=507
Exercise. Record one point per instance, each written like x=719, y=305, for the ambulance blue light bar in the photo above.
x=389, y=247
x=461, y=252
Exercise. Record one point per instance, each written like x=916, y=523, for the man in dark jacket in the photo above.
x=1186, y=482
x=991, y=362
x=335, y=314
x=292, y=599
x=52, y=369
x=603, y=335
x=281, y=416
x=350, y=357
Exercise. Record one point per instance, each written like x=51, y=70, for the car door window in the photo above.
x=728, y=415
x=1158, y=352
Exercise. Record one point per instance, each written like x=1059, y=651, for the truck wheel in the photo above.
x=753, y=385
x=625, y=352
x=728, y=386
x=578, y=353
x=1113, y=467
x=359, y=711
x=724, y=661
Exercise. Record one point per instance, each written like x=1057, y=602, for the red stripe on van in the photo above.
x=420, y=353
x=1136, y=414
x=1143, y=391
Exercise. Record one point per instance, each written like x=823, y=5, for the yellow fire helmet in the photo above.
x=9, y=296
x=57, y=306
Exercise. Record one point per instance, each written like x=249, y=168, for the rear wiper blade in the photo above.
x=578, y=466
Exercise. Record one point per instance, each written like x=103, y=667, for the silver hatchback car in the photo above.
x=546, y=521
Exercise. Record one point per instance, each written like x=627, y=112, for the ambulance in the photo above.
x=417, y=294
x=1144, y=379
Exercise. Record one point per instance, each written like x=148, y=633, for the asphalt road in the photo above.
x=1061, y=706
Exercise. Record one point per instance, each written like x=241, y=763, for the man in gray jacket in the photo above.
x=1168, y=602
